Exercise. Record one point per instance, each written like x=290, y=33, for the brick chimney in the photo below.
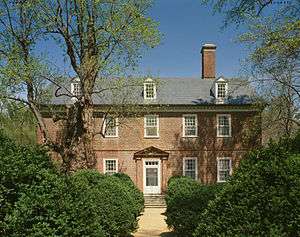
x=208, y=61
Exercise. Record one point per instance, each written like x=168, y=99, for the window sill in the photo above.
x=224, y=136
x=151, y=137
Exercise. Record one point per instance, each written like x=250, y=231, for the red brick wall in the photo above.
x=206, y=147
x=208, y=63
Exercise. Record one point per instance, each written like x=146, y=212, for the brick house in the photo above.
x=193, y=127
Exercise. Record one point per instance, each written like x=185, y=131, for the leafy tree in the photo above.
x=17, y=122
x=273, y=64
x=98, y=38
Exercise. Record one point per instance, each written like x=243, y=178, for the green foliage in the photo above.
x=237, y=12
x=137, y=196
x=261, y=199
x=36, y=200
x=186, y=199
x=18, y=123
x=20, y=167
x=108, y=199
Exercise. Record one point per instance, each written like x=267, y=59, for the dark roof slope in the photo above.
x=172, y=91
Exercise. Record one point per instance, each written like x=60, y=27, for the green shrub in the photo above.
x=186, y=199
x=107, y=198
x=261, y=199
x=136, y=195
x=20, y=167
x=36, y=200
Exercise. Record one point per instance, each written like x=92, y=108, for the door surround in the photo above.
x=152, y=190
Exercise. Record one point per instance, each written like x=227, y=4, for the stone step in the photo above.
x=155, y=201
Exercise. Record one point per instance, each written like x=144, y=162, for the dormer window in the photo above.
x=76, y=88
x=149, y=89
x=221, y=90
x=221, y=94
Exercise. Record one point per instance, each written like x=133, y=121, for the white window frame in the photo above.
x=104, y=165
x=77, y=82
x=183, y=124
x=221, y=81
x=117, y=128
x=230, y=125
x=149, y=81
x=230, y=168
x=157, y=125
x=196, y=166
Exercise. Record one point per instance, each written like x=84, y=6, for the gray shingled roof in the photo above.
x=172, y=91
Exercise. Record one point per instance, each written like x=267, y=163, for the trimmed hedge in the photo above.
x=261, y=199
x=36, y=200
x=186, y=199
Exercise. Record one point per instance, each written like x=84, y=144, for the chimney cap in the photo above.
x=208, y=46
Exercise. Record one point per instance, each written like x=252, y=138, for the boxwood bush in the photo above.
x=261, y=199
x=20, y=168
x=136, y=195
x=186, y=199
x=36, y=200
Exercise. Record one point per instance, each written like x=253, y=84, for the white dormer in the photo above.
x=221, y=90
x=149, y=89
x=76, y=87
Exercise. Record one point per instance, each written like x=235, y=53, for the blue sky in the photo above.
x=186, y=25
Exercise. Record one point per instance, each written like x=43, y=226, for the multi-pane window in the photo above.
x=190, y=167
x=149, y=90
x=221, y=90
x=223, y=125
x=224, y=169
x=110, y=166
x=111, y=127
x=76, y=89
x=151, y=126
x=190, y=125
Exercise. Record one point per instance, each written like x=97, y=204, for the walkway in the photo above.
x=152, y=223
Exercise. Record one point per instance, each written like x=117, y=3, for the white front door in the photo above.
x=152, y=177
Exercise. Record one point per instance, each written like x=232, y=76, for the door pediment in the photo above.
x=151, y=152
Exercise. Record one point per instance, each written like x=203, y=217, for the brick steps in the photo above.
x=155, y=201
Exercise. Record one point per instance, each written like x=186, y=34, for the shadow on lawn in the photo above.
x=168, y=234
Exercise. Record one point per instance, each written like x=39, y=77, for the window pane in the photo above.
x=151, y=121
x=224, y=164
x=149, y=90
x=190, y=164
x=190, y=125
x=76, y=89
x=190, y=120
x=191, y=174
x=190, y=131
x=224, y=131
x=224, y=167
x=151, y=125
x=190, y=168
x=221, y=90
x=224, y=125
x=151, y=131
x=151, y=177
x=223, y=175
x=110, y=166
x=111, y=126
x=224, y=120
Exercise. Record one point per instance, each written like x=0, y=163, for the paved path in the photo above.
x=152, y=223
